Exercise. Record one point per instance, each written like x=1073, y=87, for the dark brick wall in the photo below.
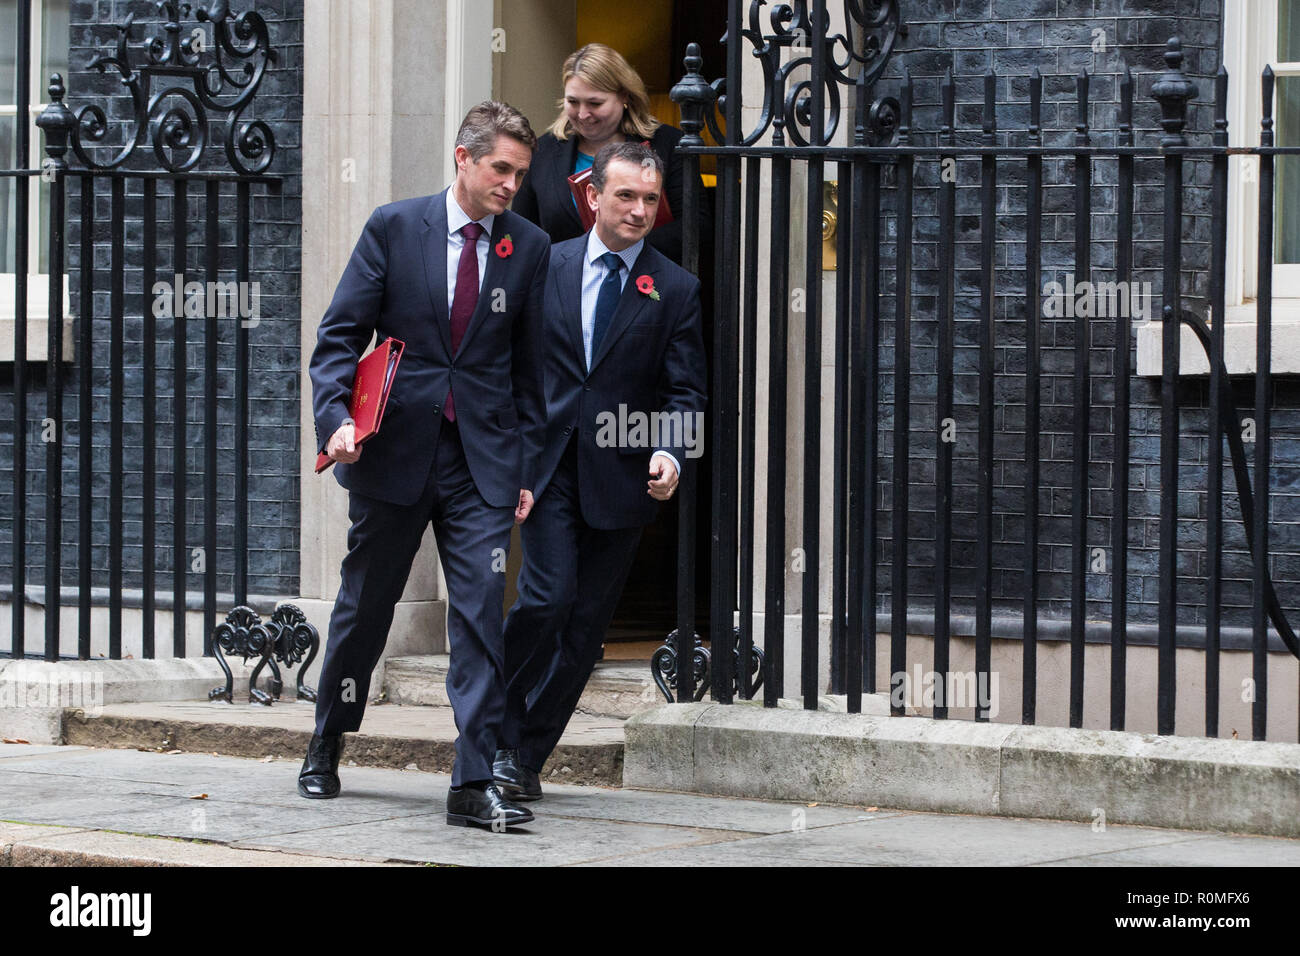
x=970, y=36
x=273, y=371
x=1012, y=37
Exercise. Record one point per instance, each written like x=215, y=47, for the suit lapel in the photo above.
x=434, y=248
x=569, y=283
x=630, y=305
x=566, y=156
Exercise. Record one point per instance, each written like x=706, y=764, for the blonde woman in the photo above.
x=604, y=102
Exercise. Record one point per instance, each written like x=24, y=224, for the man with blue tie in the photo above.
x=623, y=343
x=458, y=278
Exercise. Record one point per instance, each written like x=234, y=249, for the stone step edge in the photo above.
x=598, y=764
x=958, y=766
x=616, y=692
x=86, y=846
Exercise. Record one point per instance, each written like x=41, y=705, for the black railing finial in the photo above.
x=1081, y=95
x=990, y=107
x=57, y=121
x=1036, y=108
x=947, y=95
x=1267, y=82
x=1172, y=90
x=694, y=96
x=1221, y=107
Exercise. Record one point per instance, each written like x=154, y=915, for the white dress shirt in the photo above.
x=456, y=221
x=594, y=272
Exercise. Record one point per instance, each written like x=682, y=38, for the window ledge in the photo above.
x=1238, y=343
x=38, y=319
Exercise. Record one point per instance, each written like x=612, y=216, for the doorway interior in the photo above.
x=652, y=35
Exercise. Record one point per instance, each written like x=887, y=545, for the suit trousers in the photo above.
x=569, y=585
x=473, y=538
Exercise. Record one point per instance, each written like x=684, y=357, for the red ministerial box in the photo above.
x=370, y=387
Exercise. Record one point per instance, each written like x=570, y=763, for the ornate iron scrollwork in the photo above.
x=786, y=46
x=296, y=642
x=286, y=638
x=664, y=663
x=239, y=55
x=241, y=634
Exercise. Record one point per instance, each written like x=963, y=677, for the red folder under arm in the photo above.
x=370, y=387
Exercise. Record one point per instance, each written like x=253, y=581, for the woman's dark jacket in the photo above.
x=545, y=197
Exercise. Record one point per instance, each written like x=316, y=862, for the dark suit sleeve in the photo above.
x=528, y=369
x=683, y=376
x=347, y=328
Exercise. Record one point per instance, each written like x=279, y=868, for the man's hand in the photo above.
x=342, y=447
x=663, y=478
x=525, y=505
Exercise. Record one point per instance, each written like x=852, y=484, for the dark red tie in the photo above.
x=466, y=298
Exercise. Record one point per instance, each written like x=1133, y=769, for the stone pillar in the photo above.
x=384, y=92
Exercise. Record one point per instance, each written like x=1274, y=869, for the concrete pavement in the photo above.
x=76, y=805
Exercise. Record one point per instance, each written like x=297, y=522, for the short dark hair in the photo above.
x=638, y=154
x=484, y=123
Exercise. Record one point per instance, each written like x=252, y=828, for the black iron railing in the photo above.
x=179, y=91
x=808, y=70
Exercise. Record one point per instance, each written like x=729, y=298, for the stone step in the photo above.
x=422, y=738
x=617, y=689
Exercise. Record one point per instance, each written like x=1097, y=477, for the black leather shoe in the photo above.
x=516, y=782
x=319, y=777
x=488, y=808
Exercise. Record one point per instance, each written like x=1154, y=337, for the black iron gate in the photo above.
x=806, y=69
x=180, y=83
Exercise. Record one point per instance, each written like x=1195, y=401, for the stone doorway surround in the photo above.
x=385, y=84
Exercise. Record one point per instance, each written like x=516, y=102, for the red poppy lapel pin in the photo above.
x=646, y=286
x=506, y=246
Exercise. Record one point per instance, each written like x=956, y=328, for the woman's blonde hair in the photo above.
x=604, y=69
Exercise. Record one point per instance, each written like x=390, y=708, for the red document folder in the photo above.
x=370, y=387
x=578, y=186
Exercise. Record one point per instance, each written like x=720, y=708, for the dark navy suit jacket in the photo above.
x=395, y=285
x=651, y=359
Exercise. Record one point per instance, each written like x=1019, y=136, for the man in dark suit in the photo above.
x=625, y=394
x=459, y=279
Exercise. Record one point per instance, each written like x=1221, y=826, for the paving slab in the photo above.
x=926, y=839
x=693, y=810
x=1212, y=851
x=11, y=833
x=552, y=840
x=231, y=811
x=922, y=839
x=62, y=846
x=723, y=855
x=186, y=774
x=24, y=751
x=62, y=804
